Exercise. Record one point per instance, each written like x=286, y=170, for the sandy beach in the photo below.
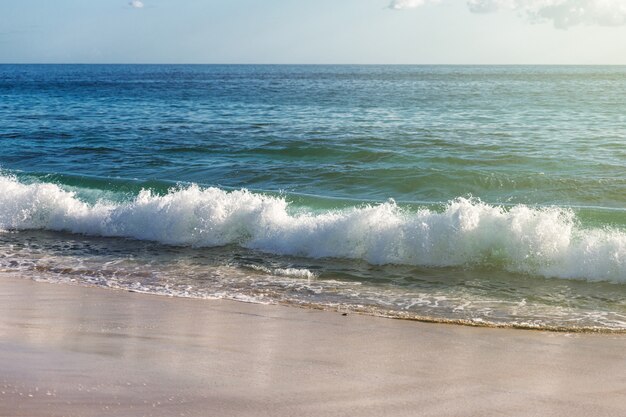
x=79, y=351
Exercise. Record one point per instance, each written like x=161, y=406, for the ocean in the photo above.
x=480, y=195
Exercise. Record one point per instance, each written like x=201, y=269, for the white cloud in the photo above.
x=137, y=4
x=409, y=4
x=562, y=13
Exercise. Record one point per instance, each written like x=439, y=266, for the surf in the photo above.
x=544, y=241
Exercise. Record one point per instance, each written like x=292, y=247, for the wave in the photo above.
x=543, y=241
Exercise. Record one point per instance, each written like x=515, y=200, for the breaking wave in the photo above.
x=544, y=241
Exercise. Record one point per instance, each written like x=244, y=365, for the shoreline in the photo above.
x=72, y=350
x=382, y=314
x=372, y=312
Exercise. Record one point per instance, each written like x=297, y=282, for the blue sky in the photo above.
x=314, y=32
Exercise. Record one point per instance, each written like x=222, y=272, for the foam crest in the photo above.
x=544, y=241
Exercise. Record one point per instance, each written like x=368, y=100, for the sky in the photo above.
x=314, y=31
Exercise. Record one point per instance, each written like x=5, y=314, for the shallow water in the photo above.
x=489, y=195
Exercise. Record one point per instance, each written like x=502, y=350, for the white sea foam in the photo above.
x=284, y=272
x=545, y=241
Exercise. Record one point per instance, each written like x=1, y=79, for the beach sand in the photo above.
x=77, y=351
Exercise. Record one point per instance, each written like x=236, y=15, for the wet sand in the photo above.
x=77, y=351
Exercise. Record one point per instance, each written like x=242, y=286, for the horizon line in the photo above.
x=312, y=64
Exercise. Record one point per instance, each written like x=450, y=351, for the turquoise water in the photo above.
x=485, y=195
